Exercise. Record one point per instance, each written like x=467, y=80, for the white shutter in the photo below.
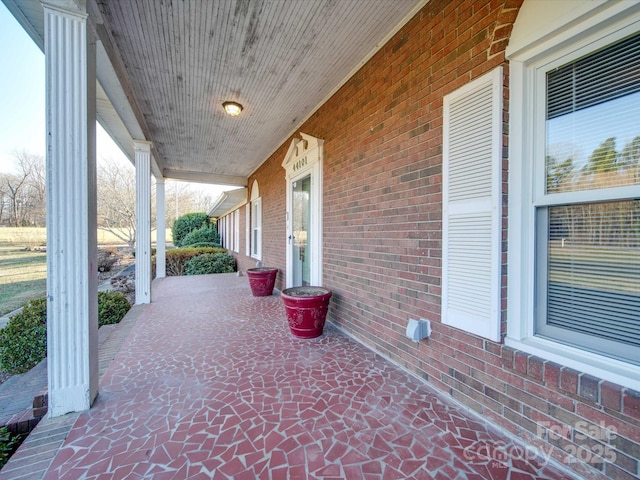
x=471, y=233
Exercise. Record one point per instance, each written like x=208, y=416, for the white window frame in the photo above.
x=247, y=229
x=221, y=232
x=236, y=231
x=586, y=28
x=227, y=232
x=255, y=222
x=256, y=228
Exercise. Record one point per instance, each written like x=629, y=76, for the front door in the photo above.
x=301, y=231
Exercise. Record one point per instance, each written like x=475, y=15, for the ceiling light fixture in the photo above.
x=232, y=108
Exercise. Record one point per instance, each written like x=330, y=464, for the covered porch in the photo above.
x=207, y=382
x=157, y=77
x=359, y=109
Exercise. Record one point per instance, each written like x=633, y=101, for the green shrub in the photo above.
x=9, y=443
x=23, y=341
x=112, y=307
x=211, y=263
x=206, y=236
x=186, y=224
x=177, y=258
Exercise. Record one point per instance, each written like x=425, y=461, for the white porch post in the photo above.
x=161, y=258
x=72, y=298
x=143, y=221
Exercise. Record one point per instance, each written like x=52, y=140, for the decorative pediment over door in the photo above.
x=303, y=154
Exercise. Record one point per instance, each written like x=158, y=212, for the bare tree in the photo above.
x=15, y=194
x=182, y=198
x=24, y=191
x=117, y=200
x=202, y=201
x=35, y=198
x=4, y=198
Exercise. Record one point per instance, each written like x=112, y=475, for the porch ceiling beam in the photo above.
x=117, y=86
x=37, y=35
x=110, y=81
x=210, y=178
x=116, y=72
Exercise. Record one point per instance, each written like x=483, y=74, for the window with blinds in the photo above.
x=588, y=252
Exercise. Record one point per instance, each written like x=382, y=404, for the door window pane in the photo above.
x=301, y=231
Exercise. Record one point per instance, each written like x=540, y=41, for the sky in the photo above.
x=22, y=102
x=22, y=98
x=22, y=120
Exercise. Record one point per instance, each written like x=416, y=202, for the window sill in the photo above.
x=615, y=371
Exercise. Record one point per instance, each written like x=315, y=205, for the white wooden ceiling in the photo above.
x=176, y=61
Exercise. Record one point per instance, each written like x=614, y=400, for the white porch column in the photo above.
x=143, y=221
x=161, y=241
x=72, y=298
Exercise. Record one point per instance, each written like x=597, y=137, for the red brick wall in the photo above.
x=272, y=188
x=382, y=238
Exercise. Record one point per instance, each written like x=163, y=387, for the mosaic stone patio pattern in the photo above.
x=211, y=384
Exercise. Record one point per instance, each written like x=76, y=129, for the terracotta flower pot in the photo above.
x=262, y=280
x=306, y=309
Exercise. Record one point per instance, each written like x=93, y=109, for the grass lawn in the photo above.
x=23, y=276
x=37, y=236
x=23, y=273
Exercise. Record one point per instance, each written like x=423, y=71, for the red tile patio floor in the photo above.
x=211, y=384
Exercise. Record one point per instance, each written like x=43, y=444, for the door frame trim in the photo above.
x=303, y=158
